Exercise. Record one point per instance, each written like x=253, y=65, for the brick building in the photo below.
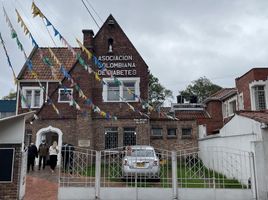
x=113, y=48
x=249, y=96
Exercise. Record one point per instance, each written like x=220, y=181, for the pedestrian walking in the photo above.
x=32, y=154
x=42, y=152
x=53, y=154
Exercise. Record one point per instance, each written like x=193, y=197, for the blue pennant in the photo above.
x=88, y=102
x=56, y=32
x=48, y=22
x=29, y=64
x=65, y=73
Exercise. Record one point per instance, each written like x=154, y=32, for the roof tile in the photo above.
x=43, y=71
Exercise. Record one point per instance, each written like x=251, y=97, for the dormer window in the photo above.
x=110, y=45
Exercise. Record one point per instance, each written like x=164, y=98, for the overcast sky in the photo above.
x=180, y=40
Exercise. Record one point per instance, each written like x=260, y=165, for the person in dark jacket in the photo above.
x=67, y=157
x=42, y=152
x=32, y=154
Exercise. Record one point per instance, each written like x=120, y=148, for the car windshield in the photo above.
x=142, y=153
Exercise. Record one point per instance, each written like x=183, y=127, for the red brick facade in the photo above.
x=10, y=190
x=74, y=125
x=242, y=83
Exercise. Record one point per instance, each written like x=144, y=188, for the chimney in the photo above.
x=88, y=38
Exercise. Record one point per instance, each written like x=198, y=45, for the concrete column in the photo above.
x=174, y=175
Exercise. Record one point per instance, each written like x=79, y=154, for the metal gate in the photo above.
x=122, y=173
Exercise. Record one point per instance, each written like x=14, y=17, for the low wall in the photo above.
x=222, y=155
x=69, y=193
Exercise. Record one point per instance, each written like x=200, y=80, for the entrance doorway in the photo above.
x=50, y=134
x=50, y=137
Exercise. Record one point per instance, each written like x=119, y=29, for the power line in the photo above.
x=90, y=14
x=94, y=11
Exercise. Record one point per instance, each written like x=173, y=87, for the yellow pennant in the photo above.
x=129, y=91
x=55, y=108
x=22, y=24
x=54, y=57
x=37, y=11
x=97, y=77
x=84, y=49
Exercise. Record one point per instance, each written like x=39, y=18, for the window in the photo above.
x=129, y=136
x=241, y=102
x=63, y=95
x=171, y=132
x=110, y=45
x=113, y=92
x=186, y=133
x=33, y=97
x=111, y=138
x=129, y=90
x=259, y=95
x=157, y=132
x=122, y=91
x=232, y=107
x=224, y=110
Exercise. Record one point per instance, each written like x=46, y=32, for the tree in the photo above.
x=11, y=96
x=202, y=88
x=157, y=93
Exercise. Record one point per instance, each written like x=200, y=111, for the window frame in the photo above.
x=186, y=136
x=24, y=89
x=59, y=95
x=111, y=130
x=255, y=91
x=136, y=80
x=156, y=136
x=172, y=136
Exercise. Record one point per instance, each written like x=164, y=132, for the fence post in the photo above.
x=253, y=182
x=97, y=174
x=174, y=175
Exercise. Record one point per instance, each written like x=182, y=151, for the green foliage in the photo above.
x=10, y=96
x=202, y=88
x=157, y=92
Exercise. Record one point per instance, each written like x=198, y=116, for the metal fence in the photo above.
x=214, y=167
x=77, y=167
x=129, y=168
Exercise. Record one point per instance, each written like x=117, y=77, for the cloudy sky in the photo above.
x=180, y=40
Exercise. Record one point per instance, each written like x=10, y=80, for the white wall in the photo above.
x=112, y=193
x=12, y=130
x=261, y=163
x=228, y=151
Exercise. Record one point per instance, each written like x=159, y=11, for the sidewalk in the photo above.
x=42, y=185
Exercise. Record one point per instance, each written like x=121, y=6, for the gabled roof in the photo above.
x=222, y=94
x=260, y=116
x=43, y=71
x=7, y=105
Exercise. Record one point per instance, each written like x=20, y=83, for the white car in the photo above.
x=140, y=160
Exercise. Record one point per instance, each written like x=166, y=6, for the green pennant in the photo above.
x=116, y=81
x=46, y=61
x=19, y=44
x=13, y=34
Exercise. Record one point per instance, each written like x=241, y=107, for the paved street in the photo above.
x=42, y=185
